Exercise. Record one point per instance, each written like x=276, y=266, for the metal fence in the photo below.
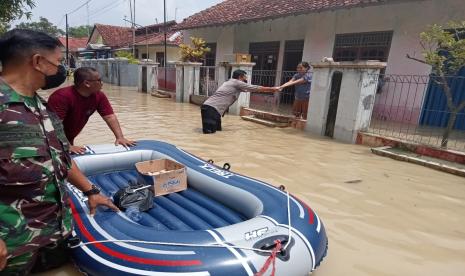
x=208, y=80
x=414, y=109
x=279, y=103
x=170, y=83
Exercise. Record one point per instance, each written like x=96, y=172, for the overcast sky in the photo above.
x=113, y=11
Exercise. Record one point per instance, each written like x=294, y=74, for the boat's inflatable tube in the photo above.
x=233, y=212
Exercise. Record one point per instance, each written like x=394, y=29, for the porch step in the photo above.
x=160, y=95
x=268, y=123
x=430, y=162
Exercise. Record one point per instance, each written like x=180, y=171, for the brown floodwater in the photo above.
x=383, y=217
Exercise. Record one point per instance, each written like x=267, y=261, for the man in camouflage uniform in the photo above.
x=35, y=217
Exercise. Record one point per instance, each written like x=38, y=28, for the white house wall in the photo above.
x=173, y=53
x=406, y=20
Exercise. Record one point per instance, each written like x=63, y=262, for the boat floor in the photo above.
x=189, y=210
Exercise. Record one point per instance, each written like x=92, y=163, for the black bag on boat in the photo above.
x=135, y=195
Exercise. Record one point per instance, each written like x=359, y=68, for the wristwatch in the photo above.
x=93, y=191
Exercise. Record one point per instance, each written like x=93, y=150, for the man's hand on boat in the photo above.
x=77, y=150
x=78, y=179
x=125, y=142
x=3, y=254
x=100, y=200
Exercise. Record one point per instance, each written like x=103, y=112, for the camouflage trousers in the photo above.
x=43, y=259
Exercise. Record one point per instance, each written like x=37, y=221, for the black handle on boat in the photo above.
x=282, y=188
x=211, y=161
x=73, y=241
x=227, y=166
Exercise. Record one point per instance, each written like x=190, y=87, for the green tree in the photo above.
x=15, y=9
x=444, y=49
x=127, y=55
x=42, y=25
x=79, y=31
x=4, y=27
x=196, y=52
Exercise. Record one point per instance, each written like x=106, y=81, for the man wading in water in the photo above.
x=215, y=106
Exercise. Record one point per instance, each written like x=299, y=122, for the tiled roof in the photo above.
x=158, y=39
x=238, y=11
x=114, y=36
x=74, y=43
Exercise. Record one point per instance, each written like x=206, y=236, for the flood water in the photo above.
x=383, y=217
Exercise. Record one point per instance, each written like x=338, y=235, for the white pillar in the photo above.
x=356, y=98
x=179, y=81
x=223, y=69
x=191, y=80
x=244, y=98
x=152, y=77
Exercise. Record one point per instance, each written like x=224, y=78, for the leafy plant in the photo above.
x=196, y=52
x=15, y=9
x=444, y=49
x=127, y=55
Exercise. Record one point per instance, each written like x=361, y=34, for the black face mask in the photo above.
x=55, y=80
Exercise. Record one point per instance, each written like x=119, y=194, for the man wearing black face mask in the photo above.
x=35, y=218
x=215, y=106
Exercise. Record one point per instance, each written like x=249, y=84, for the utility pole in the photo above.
x=164, y=30
x=88, y=22
x=133, y=30
x=146, y=36
x=67, y=42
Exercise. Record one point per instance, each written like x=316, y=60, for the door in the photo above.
x=333, y=103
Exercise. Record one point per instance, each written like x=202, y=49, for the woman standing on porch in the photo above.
x=303, y=82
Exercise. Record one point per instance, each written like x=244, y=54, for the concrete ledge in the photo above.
x=433, y=163
x=373, y=140
x=252, y=118
x=164, y=94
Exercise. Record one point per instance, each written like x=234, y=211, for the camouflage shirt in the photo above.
x=34, y=163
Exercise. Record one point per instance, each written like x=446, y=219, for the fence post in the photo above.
x=244, y=98
x=350, y=102
x=190, y=80
x=153, y=76
x=179, y=81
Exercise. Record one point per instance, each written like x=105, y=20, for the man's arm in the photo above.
x=3, y=254
x=106, y=111
x=255, y=88
x=113, y=124
x=293, y=82
x=77, y=178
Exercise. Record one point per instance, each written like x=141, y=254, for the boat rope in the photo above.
x=214, y=245
x=270, y=261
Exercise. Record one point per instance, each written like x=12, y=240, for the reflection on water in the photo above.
x=383, y=217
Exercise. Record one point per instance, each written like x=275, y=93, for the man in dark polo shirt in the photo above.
x=75, y=104
x=217, y=104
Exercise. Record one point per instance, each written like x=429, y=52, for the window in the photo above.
x=144, y=56
x=362, y=46
x=210, y=57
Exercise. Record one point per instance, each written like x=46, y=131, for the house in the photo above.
x=280, y=33
x=74, y=44
x=105, y=40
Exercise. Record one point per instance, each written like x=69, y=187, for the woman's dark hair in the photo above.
x=18, y=44
x=305, y=64
x=82, y=74
x=238, y=73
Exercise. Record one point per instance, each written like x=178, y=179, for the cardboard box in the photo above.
x=165, y=175
x=238, y=58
